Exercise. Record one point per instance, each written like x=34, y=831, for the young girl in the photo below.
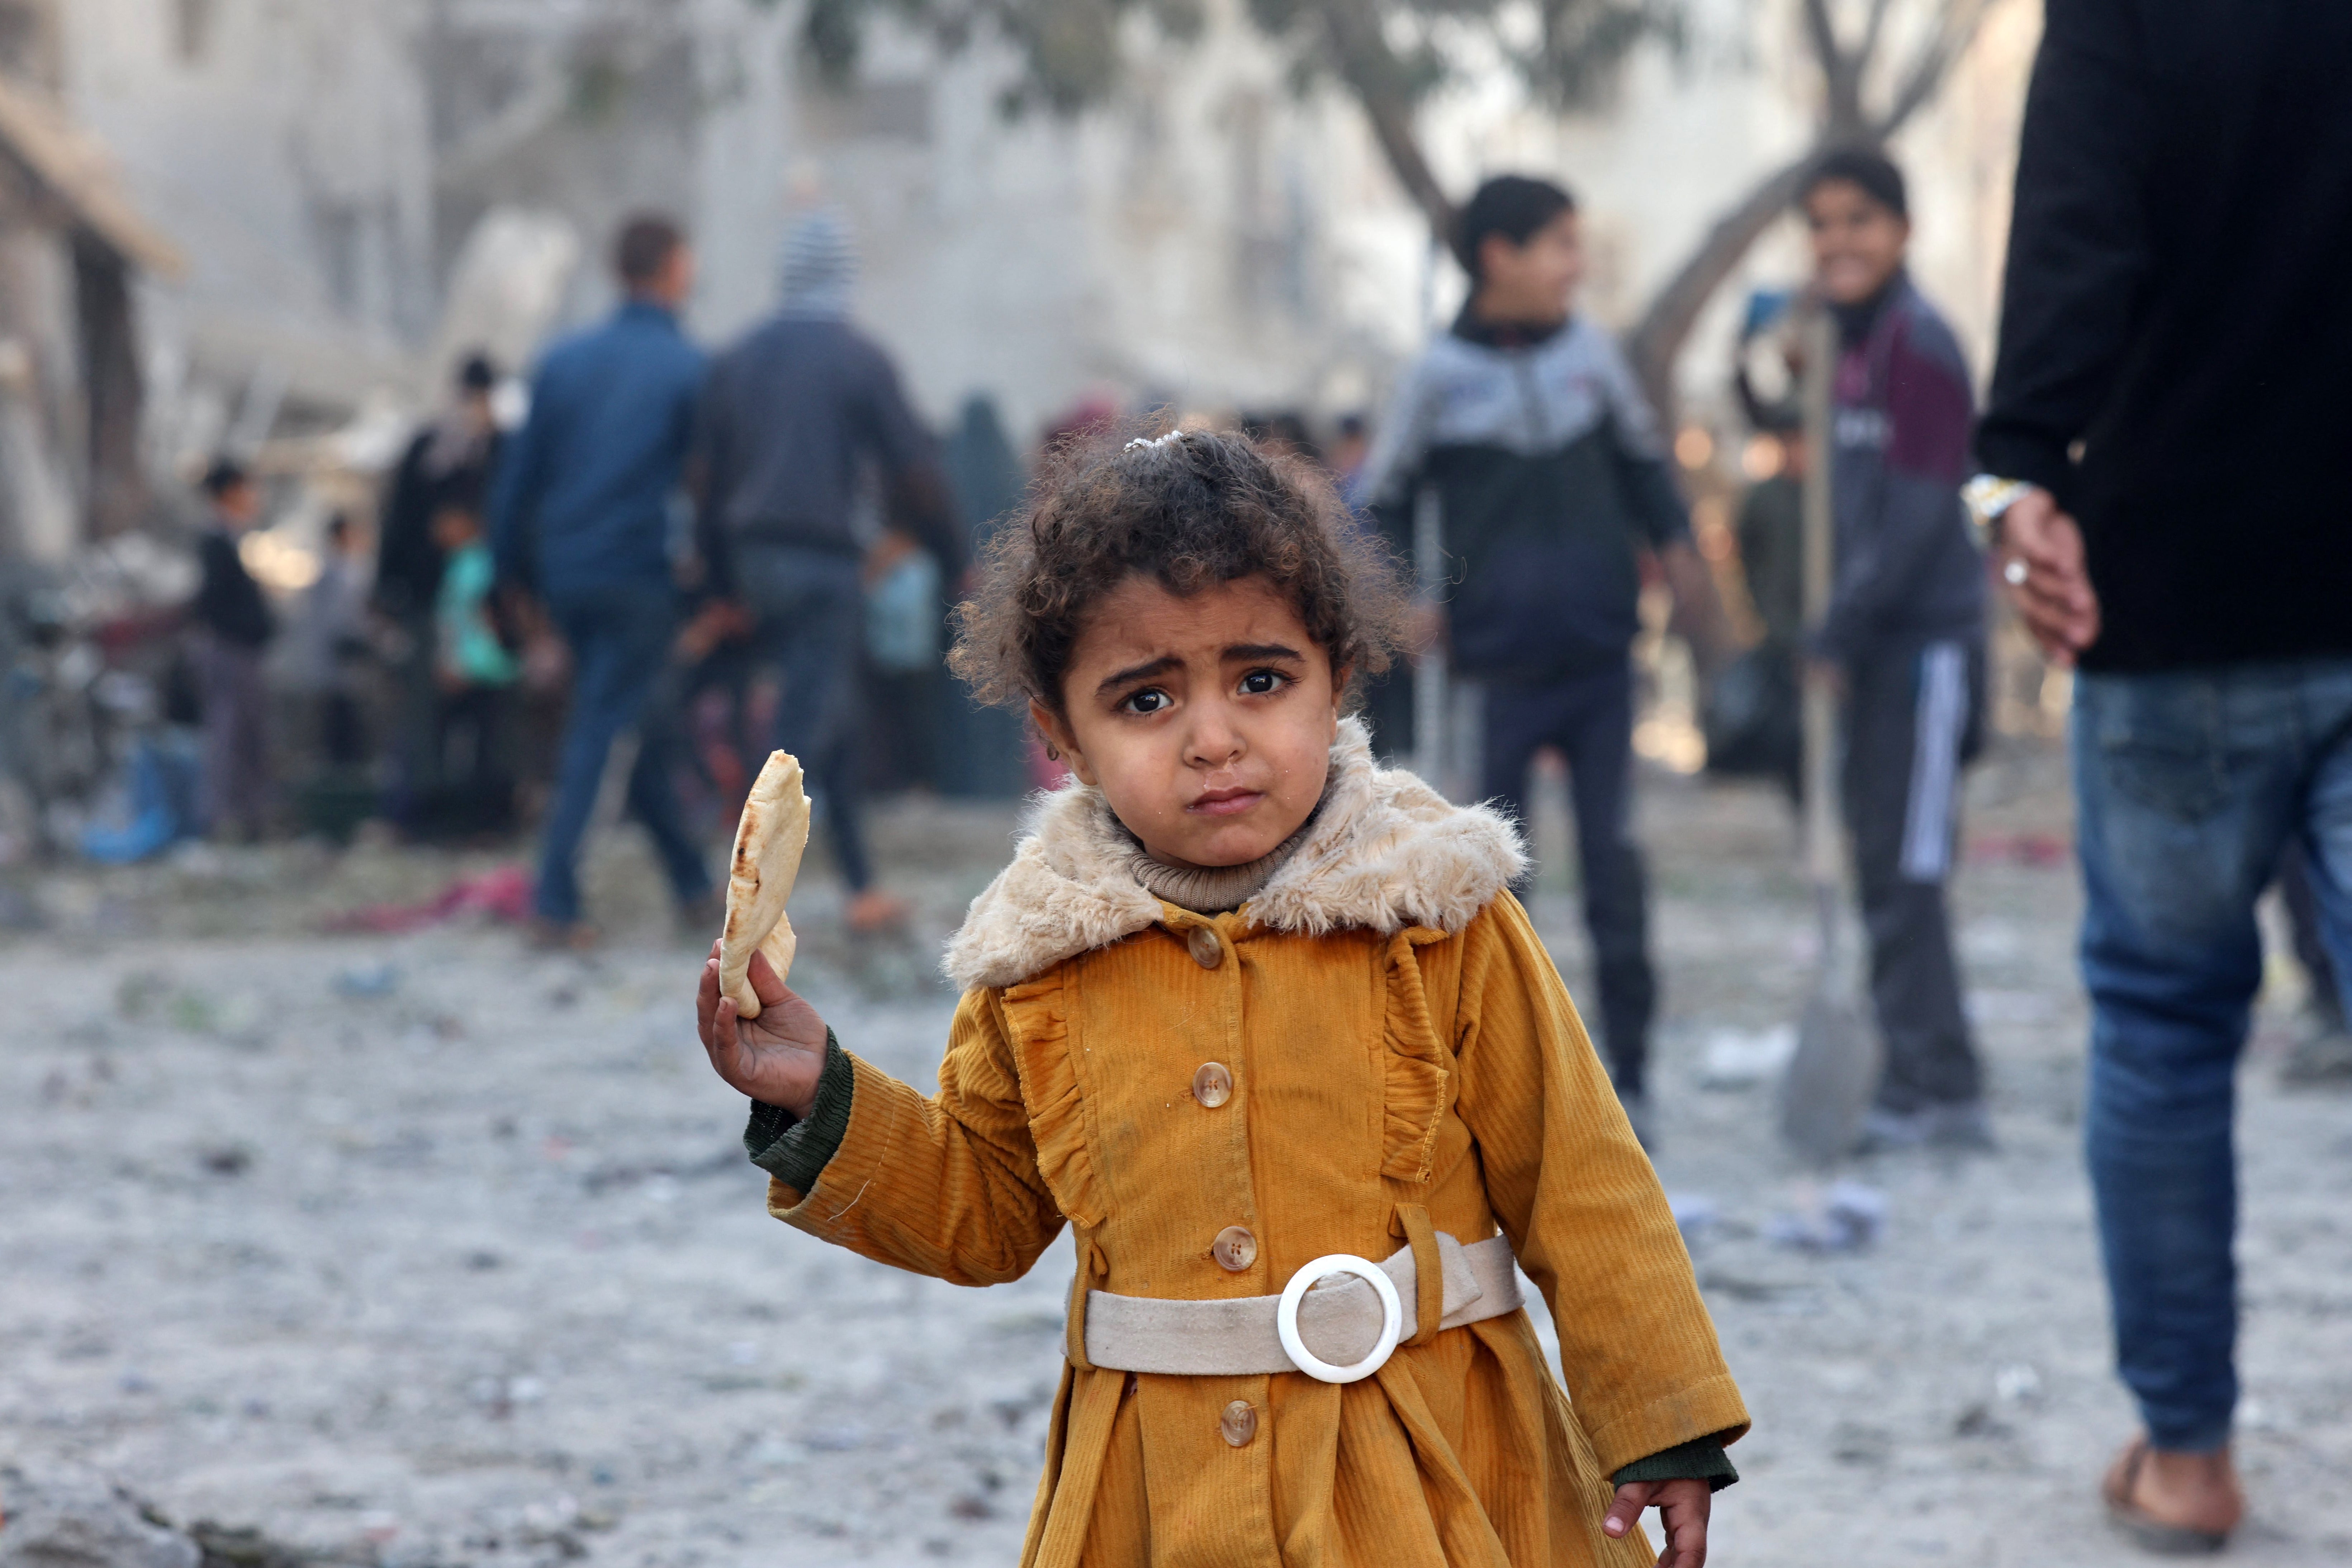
x=1244, y=1002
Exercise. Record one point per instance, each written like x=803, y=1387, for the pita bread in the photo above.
x=768, y=845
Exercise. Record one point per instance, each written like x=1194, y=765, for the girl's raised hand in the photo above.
x=776, y=1058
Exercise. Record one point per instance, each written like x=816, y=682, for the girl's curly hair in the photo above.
x=1189, y=509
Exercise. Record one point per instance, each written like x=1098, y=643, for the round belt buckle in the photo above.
x=1285, y=1317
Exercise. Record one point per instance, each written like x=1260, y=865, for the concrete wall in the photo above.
x=283, y=143
x=1210, y=236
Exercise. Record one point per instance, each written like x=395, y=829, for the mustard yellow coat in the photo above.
x=1396, y=1035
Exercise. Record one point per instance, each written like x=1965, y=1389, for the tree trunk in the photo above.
x=1377, y=79
x=1656, y=340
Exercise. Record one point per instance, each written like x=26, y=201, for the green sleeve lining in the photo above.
x=1703, y=1460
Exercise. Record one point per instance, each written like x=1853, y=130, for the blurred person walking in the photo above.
x=332, y=644
x=476, y=673
x=1906, y=632
x=233, y=625
x=982, y=746
x=582, y=518
x=448, y=462
x=2167, y=479
x=1552, y=476
x=793, y=412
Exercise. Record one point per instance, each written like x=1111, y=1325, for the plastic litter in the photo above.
x=1847, y=1218
x=1740, y=1058
x=502, y=894
x=366, y=980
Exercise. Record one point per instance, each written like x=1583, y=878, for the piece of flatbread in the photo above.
x=768, y=845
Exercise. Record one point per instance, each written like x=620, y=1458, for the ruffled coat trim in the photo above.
x=1386, y=854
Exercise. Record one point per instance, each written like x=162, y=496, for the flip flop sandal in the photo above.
x=2142, y=1529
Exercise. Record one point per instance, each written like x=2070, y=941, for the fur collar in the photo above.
x=1385, y=852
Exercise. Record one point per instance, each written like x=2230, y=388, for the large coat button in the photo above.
x=1212, y=1085
x=1239, y=1423
x=1234, y=1248
x=1207, y=951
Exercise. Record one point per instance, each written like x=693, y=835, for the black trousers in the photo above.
x=1590, y=719
x=473, y=761
x=1913, y=713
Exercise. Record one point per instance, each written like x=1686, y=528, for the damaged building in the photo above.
x=73, y=243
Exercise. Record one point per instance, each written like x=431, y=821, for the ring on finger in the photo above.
x=2013, y=573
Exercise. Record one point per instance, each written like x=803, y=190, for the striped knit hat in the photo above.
x=820, y=265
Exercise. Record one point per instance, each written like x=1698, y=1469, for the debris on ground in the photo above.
x=1846, y=1218
x=57, y=1515
x=1740, y=1058
x=503, y=894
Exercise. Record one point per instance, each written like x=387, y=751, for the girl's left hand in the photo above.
x=1683, y=1508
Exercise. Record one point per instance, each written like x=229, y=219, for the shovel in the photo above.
x=1835, y=1066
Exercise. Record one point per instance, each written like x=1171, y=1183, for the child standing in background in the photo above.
x=1906, y=629
x=234, y=625
x=1251, y=1012
x=1552, y=480
x=476, y=673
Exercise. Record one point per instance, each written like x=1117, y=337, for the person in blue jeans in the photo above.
x=583, y=508
x=2169, y=489
x=793, y=415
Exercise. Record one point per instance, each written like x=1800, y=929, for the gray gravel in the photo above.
x=430, y=1250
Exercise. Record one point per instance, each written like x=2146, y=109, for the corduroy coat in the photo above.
x=1395, y=1035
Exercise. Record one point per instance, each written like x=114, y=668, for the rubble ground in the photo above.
x=434, y=1251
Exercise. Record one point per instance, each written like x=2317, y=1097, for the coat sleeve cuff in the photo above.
x=1703, y=1460
x=794, y=1151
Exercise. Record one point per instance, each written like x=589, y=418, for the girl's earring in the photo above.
x=1053, y=752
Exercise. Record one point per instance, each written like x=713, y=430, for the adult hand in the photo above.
x=776, y=1058
x=1683, y=1508
x=2052, y=592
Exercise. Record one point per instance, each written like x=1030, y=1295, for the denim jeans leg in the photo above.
x=653, y=800
x=2326, y=826
x=2184, y=799
x=619, y=638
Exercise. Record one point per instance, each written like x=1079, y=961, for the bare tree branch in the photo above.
x=1956, y=30
x=1840, y=72
x=1656, y=340
x=1374, y=73
x=1867, y=50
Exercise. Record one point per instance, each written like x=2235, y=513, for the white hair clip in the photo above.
x=1152, y=441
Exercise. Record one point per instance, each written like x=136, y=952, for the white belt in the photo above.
x=1340, y=1333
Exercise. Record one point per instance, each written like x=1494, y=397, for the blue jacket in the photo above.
x=585, y=494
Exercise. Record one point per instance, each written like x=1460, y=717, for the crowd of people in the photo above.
x=663, y=526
